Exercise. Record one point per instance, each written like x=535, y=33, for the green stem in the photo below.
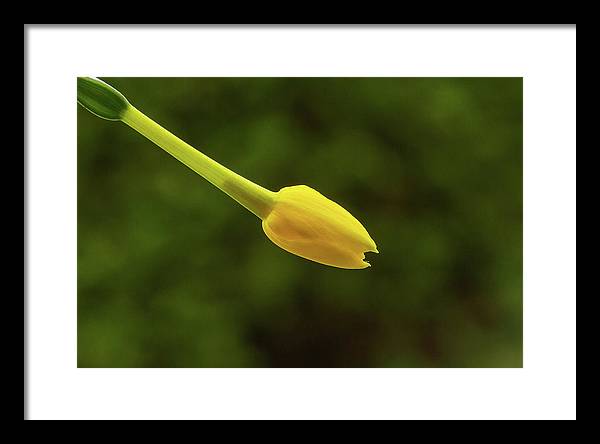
x=255, y=198
x=106, y=102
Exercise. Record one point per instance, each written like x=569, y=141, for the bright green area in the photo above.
x=173, y=273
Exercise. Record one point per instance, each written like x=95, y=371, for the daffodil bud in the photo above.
x=306, y=223
x=298, y=219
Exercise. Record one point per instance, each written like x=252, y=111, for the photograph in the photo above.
x=299, y=222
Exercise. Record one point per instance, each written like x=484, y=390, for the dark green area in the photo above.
x=173, y=273
x=100, y=98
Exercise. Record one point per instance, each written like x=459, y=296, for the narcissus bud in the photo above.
x=306, y=223
x=298, y=219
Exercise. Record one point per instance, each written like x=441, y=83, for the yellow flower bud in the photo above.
x=298, y=219
x=306, y=223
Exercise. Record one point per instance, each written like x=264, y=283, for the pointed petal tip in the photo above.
x=365, y=263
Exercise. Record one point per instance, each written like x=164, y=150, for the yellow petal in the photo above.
x=306, y=223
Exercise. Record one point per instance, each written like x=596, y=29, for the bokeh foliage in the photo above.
x=173, y=273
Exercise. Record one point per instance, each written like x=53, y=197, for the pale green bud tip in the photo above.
x=100, y=98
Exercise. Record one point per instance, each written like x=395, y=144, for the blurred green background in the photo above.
x=173, y=273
